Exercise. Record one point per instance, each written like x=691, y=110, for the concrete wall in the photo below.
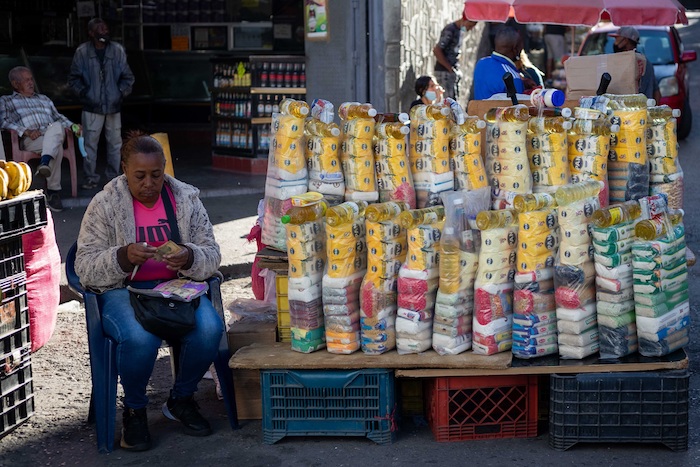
x=377, y=49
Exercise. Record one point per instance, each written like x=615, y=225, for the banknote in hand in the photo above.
x=166, y=248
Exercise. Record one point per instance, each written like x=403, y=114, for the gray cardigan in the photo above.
x=108, y=224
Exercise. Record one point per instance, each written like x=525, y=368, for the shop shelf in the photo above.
x=22, y=214
x=13, y=309
x=16, y=393
x=476, y=407
x=619, y=407
x=328, y=403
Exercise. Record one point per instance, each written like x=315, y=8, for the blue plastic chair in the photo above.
x=103, y=361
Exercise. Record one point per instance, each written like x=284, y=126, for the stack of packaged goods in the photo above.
x=493, y=286
x=386, y=251
x=394, y=179
x=429, y=153
x=547, y=150
x=506, y=161
x=306, y=253
x=346, y=266
x=613, y=234
x=286, y=169
x=661, y=282
x=589, y=146
x=459, y=258
x=418, y=279
x=662, y=149
x=534, y=308
x=628, y=166
x=465, y=154
x=322, y=153
x=356, y=153
x=574, y=272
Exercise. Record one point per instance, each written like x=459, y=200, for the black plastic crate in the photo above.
x=11, y=258
x=17, y=396
x=13, y=308
x=328, y=403
x=619, y=407
x=15, y=371
x=16, y=341
x=22, y=214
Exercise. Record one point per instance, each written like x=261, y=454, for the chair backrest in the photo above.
x=73, y=279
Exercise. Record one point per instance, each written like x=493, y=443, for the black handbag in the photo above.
x=167, y=318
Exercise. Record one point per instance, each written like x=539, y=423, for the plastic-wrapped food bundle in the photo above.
x=662, y=149
x=286, y=169
x=394, y=179
x=322, y=153
x=465, y=152
x=306, y=253
x=429, y=153
x=356, y=153
x=506, y=161
x=613, y=234
x=660, y=275
x=574, y=272
x=547, y=150
x=493, y=286
x=346, y=264
x=533, y=298
x=589, y=146
x=459, y=256
x=386, y=251
x=628, y=169
x=418, y=279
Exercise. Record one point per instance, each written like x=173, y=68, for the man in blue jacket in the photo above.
x=489, y=71
x=101, y=76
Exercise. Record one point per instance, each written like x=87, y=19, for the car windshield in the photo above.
x=656, y=45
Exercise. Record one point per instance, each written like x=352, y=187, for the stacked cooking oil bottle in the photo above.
x=407, y=240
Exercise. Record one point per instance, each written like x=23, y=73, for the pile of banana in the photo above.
x=15, y=178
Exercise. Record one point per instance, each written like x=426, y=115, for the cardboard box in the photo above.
x=583, y=74
x=246, y=383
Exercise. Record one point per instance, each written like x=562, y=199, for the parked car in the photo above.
x=663, y=48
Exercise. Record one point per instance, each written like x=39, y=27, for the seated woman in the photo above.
x=428, y=91
x=121, y=229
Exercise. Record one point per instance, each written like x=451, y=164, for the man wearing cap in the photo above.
x=447, y=52
x=627, y=38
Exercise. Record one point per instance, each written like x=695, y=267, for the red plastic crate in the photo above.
x=482, y=407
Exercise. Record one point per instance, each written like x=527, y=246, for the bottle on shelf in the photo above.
x=533, y=202
x=496, y=219
x=548, y=125
x=268, y=105
x=414, y=217
x=345, y=212
x=318, y=128
x=513, y=113
x=568, y=194
x=650, y=229
x=660, y=114
x=392, y=130
x=301, y=214
x=430, y=112
x=450, y=264
x=617, y=214
x=302, y=76
x=350, y=110
x=385, y=211
x=294, y=107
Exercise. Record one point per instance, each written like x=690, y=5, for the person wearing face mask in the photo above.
x=428, y=91
x=101, y=77
x=627, y=38
x=447, y=53
x=489, y=71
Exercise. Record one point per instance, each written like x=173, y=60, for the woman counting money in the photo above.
x=118, y=245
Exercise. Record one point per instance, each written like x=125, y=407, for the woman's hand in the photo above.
x=138, y=253
x=180, y=260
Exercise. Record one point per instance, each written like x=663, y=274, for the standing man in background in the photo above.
x=447, y=52
x=101, y=76
x=627, y=38
x=555, y=43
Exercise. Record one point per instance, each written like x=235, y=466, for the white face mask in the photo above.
x=463, y=30
x=430, y=95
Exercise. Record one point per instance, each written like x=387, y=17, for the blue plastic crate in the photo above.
x=328, y=403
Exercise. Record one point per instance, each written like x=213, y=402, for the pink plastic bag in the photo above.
x=43, y=266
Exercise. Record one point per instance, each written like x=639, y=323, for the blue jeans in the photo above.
x=137, y=348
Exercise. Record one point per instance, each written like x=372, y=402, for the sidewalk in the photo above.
x=230, y=199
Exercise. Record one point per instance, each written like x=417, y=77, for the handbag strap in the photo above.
x=170, y=214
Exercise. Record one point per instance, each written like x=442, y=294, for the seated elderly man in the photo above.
x=40, y=128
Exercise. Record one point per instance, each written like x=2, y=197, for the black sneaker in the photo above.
x=55, y=203
x=135, y=435
x=44, y=170
x=186, y=411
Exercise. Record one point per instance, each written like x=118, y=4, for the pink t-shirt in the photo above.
x=153, y=228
